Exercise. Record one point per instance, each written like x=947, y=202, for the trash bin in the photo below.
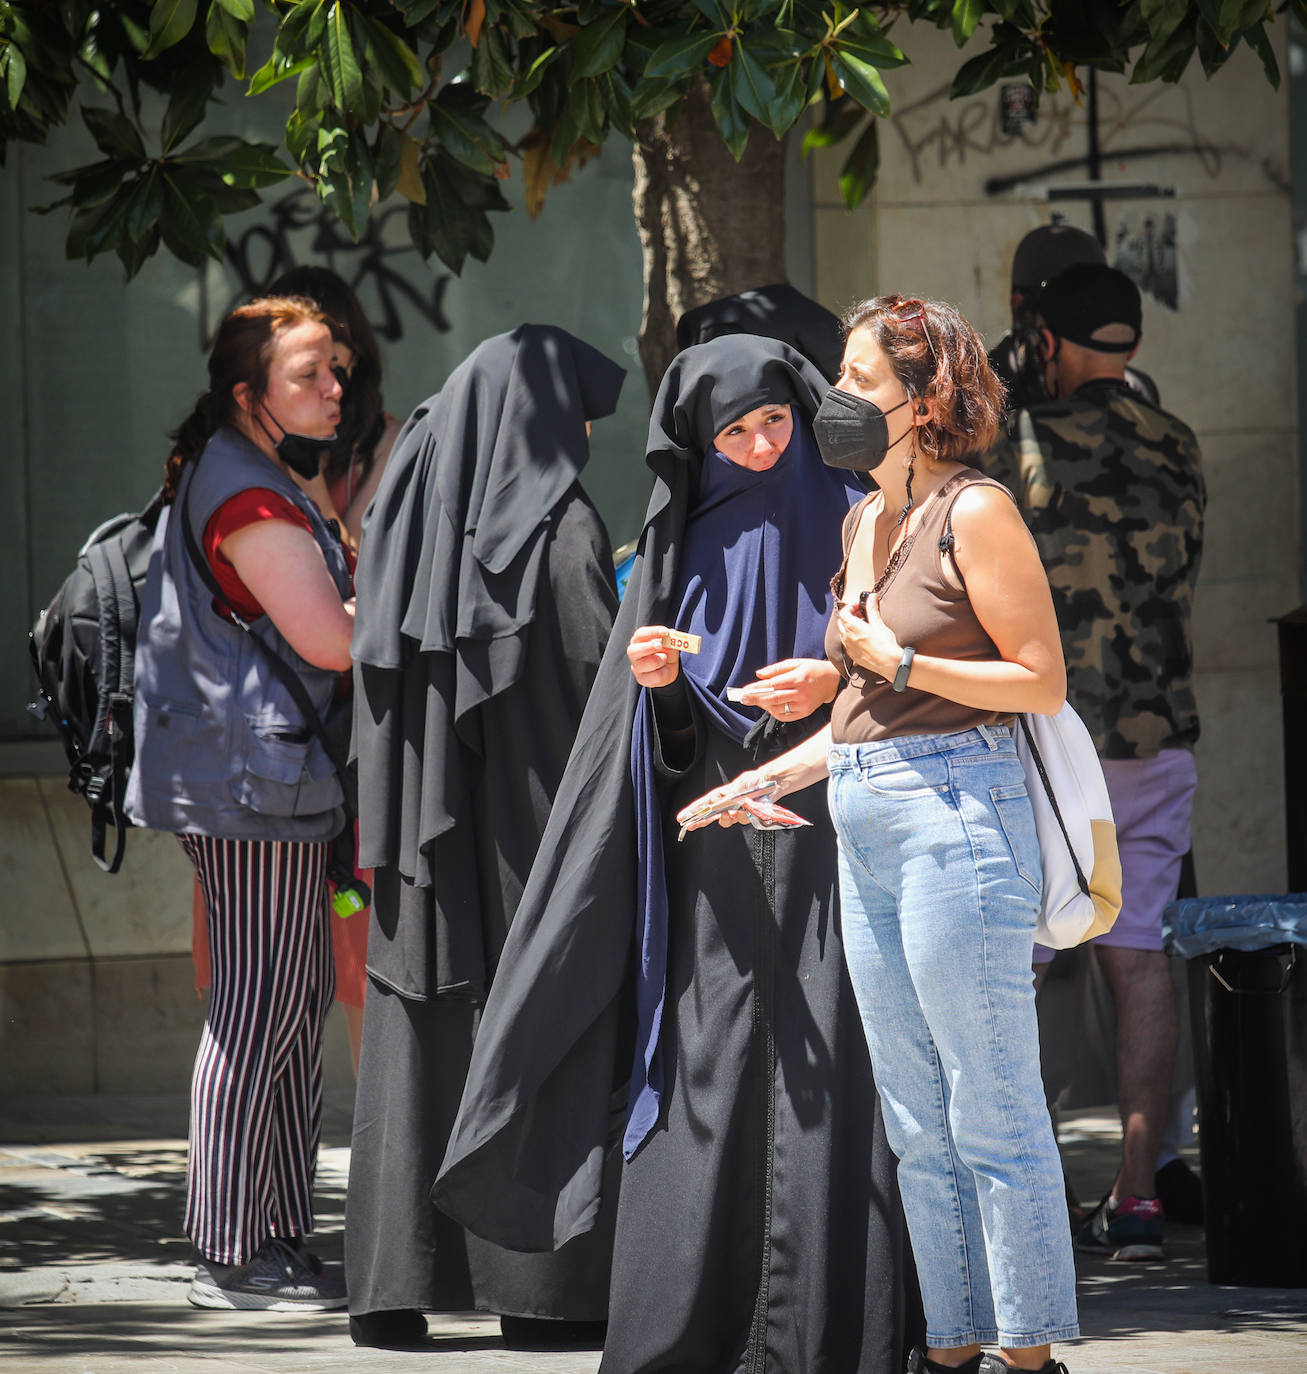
x=1247, y=973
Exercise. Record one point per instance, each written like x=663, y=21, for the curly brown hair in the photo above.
x=937, y=356
x=242, y=352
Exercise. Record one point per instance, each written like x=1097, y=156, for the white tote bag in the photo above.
x=1077, y=835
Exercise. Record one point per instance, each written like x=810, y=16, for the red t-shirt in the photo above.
x=254, y=503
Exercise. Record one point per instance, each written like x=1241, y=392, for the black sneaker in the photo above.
x=996, y=1364
x=919, y=1364
x=277, y=1279
x=1132, y=1230
x=1180, y=1191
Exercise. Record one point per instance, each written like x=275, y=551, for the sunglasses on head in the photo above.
x=910, y=310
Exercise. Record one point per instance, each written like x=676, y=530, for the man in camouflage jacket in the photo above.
x=1112, y=489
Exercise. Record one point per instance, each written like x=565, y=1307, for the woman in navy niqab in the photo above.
x=686, y=1003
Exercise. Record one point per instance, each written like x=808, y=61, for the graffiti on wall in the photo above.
x=940, y=135
x=299, y=230
x=1144, y=248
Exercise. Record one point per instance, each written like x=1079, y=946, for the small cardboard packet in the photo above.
x=678, y=639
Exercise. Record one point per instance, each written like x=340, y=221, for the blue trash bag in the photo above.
x=1199, y=925
x=623, y=562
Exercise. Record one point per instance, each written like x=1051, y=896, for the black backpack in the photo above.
x=83, y=648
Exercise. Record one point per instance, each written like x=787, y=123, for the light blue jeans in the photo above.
x=939, y=884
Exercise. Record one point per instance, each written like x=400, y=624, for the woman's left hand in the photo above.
x=793, y=688
x=869, y=643
x=752, y=784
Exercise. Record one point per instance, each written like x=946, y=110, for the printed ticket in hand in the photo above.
x=678, y=639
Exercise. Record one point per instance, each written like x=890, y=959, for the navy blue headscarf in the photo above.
x=753, y=579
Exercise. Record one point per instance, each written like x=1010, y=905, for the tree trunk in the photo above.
x=709, y=226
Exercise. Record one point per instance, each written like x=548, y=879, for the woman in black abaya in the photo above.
x=757, y=1229
x=485, y=598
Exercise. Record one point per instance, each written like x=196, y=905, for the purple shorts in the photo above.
x=1152, y=802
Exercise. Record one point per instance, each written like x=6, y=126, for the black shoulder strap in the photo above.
x=947, y=542
x=1052, y=801
x=111, y=735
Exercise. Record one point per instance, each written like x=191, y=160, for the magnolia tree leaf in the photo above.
x=410, y=184
x=185, y=109
x=598, y=46
x=397, y=61
x=115, y=135
x=387, y=159
x=982, y=71
x=170, y=22
x=341, y=60
x=1260, y=42
x=345, y=179
x=680, y=56
x=858, y=174
x=839, y=120
x=277, y=68
x=966, y=15
x=13, y=67
x=226, y=36
x=732, y=122
x=189, y=221
x=862, y=81
x=238, y=163
x=754, y=89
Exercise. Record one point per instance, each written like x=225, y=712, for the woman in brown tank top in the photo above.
x=943, y=630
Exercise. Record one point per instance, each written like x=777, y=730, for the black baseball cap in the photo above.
x=1047, y=252
x=1095, y=306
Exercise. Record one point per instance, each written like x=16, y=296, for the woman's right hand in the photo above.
x=652, y=663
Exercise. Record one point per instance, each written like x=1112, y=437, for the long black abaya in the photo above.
x=759, y=1225
x=485, y=599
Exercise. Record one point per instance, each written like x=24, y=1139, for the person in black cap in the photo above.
x=1112, y=489
x=1042, y=255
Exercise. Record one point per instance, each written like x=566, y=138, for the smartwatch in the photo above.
x=905, y=667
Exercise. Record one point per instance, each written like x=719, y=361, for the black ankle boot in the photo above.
x=549, y=1333
x=393, y=1330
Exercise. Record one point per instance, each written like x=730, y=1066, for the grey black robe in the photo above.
x=485, y=599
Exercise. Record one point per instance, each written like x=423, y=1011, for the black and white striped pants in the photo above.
x=256, y=1093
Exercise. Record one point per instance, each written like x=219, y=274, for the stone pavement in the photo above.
x=94, y=1270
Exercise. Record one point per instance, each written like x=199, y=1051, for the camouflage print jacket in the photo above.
x=1112, y=489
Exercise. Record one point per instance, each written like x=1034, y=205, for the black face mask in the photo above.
x=852, y=433
x=301, y=454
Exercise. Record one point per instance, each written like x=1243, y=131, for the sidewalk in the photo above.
x=94, y=1270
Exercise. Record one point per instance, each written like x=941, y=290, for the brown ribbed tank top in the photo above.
x=924, y=610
